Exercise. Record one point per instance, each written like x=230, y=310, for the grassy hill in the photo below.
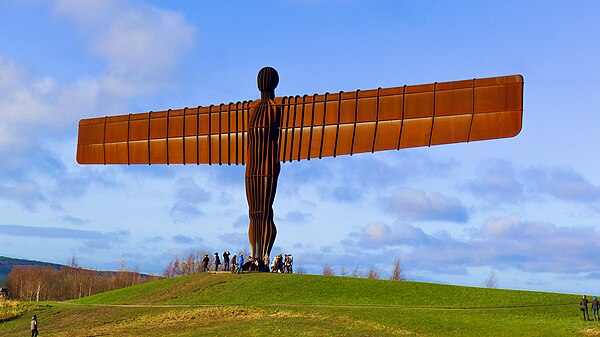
x=260, y=304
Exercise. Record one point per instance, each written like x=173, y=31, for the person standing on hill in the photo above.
x=234, y=264
x=226, y=260
x=34, y=326
x=584, y=308
x=217, y=261
x=205, y=261
x=595, y=308
x=240, y=264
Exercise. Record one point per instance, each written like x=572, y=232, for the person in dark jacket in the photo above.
x=34, y=326
x=217, y=261
x=226, y=261
x=595, y=308
x=205, y=261
x=584, y=308
x=234, y=264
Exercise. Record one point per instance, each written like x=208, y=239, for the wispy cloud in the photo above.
x=562, y=182
x=502, y=242
x=498, y=182
x=294, y=217
x=188, y=196
x=421, y=205
x=140, y=43
x=92, y=239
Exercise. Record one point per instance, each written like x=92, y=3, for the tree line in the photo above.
x=45, y=283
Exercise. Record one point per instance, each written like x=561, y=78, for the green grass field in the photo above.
x=260, y=304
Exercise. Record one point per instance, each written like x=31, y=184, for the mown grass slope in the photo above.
x=265, y=288
x=259, y=304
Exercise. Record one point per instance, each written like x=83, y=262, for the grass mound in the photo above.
x=266, y=288
x=261, y=304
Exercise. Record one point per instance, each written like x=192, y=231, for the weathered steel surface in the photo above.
x=262, y=169
x=263, y=133
x=313, y=126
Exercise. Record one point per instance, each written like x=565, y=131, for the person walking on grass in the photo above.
x=595, y=308
x=205, y=261
x=584, y=308
x=34, y=326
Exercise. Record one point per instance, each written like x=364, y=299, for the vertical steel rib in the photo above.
x=402, y=117
x=472, y=111
x=209, y=134
x=433, y=117
x=104, y=141
x=337, y=128
x=167, y=139
x=323, y=125
x=355, y=116
x=301, y=127
x=376, y=120
x=149, y=139
x=312, y=125
x=128, y=136
x=198, y=135
x=183, y=133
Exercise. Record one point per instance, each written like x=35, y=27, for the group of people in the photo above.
x=237, y=264
x=584, y=308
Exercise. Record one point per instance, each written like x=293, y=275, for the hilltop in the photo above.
x=7, y=264
x=263, y=304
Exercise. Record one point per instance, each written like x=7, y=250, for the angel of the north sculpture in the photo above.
x=260, y=134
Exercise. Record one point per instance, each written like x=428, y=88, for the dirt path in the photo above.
x=319, y=306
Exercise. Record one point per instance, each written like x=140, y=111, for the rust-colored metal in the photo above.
x=263, y=133
x=262, y=169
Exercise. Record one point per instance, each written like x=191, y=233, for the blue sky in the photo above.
x=527, y=208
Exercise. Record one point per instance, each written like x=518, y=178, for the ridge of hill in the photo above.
x=7, y=264
x=267, y=288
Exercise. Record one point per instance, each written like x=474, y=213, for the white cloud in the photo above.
x=421, y=205
x=502, y=242
x=562, y=182
x=139, y=43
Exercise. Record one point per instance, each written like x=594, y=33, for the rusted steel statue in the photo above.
x=262, y=168
x=261, y=134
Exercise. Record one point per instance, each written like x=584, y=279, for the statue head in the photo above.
x=268, y=79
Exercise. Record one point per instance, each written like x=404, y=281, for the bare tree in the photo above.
x=398, y=273
x=373, y=273
x=300, y=270
x=328, y=271
x=343, y=270
x=356, y=272
x=491, y=281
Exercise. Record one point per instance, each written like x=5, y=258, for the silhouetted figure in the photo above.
x=34, y=326
x=217, y=261
x=584, y=308
x=226, y=260
x=595, y=308
x=205, y=261
x=234, y=264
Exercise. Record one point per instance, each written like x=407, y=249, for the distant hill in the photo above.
x=7, y=264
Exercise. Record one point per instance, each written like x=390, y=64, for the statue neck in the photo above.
x=267, y=95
